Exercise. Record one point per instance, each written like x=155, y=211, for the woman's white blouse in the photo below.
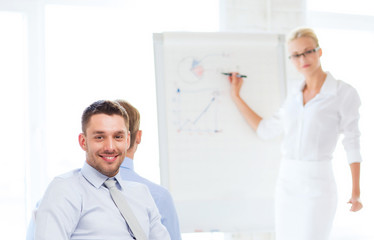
x=311, y=131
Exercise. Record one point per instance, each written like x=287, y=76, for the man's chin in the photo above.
x=111, y=169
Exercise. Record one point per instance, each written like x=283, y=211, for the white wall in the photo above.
x=262, y=15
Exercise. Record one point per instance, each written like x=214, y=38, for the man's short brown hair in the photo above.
x=106, y=107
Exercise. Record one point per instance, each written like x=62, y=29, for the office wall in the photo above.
x=262, y=15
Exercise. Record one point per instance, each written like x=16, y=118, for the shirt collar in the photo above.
x=128, y=163
x=329, y=87
x=96, y=178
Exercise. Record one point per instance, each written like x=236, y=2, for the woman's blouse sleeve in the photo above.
x=271, y=127
x=349, y=113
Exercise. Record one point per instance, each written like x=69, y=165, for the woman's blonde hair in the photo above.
x=303, y=32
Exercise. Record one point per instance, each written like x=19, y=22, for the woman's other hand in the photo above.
x=356, y=204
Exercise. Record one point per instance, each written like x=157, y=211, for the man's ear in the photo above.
x=83, y=141
x=138, y=137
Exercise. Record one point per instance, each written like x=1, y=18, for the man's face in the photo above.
x=105, y=142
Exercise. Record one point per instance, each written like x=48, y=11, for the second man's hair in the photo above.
x=134, y=119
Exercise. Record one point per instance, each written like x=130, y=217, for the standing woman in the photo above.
x=311, y=119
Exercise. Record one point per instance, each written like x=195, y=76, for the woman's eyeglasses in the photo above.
x=305, y=54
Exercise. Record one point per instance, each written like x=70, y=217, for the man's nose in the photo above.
x=109, y=144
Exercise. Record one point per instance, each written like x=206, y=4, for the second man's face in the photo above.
x=105, y=142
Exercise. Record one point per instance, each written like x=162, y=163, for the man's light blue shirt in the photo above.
x=76, y=205
x=161, y=196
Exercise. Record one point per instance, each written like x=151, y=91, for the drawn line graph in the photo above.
x=205, y=110
x=197, y=118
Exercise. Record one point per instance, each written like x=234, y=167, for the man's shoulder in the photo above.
x=132, y=176
x=68, y=181
x=68, y=177
x=151, y=185
x=136, y=190
x=158, y=187
x=157, y=191
x=62, y=187
x=133, y=186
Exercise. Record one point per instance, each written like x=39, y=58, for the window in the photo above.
x=359, y=7
x=13, y=97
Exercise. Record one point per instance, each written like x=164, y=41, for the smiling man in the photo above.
x=79, y=204
x=105, y=141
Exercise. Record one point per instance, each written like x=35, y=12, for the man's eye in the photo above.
x=98, y=137
x=119, y=137
x=309, y=52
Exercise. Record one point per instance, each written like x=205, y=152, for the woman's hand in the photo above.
x=236, y=84
x=356, y=204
